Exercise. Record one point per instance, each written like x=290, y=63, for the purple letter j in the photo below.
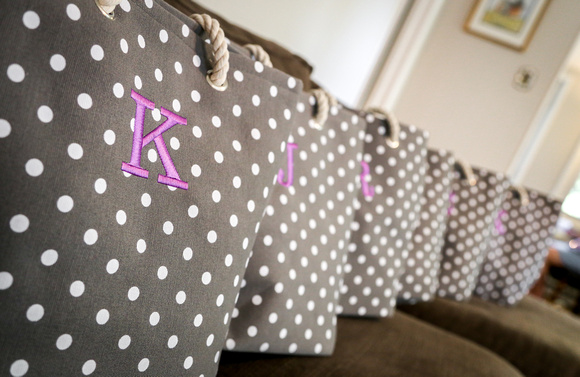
x=289, y=148
x=139, y=142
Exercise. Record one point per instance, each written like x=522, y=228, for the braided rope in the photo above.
x=259, y=54
x=219, y=46
x=108, y=6
x=394, y=125
x=332, y=101
x=523, y=194
x=467, y=171
x=322, y=107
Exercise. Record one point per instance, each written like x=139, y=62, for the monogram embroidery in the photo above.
x=290, y=148
x=499, y=227
x=139, y=142
x=367, y=190
x=452, y=201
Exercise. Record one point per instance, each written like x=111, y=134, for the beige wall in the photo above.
x=461, y=86
x=549, y=164
x=342, y=39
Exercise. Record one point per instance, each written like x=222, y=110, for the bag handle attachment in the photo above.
x=216, y=77
x=324, y=102
x=522, y=194
x=466, y=171
x=394, y=125
x=107, y=7
x=259, y=54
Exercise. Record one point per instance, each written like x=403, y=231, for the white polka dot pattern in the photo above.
x=421, y=278
x=292, y=282
x=105, y=272
x=384, y=223
x=518, y=248
x=469, y=226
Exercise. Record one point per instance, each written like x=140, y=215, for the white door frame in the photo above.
x=399, y=64
x=540, y=127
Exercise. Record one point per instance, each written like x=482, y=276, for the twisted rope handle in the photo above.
x=323, y=103
x=467, y=171
x=217, y=77
x=108, y=6
x=259, y=54
x=332, y=101
x=394, y=125
x=523, y=194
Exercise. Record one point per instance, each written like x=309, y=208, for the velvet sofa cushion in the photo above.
x=538, y=339
x=397, y=346
x=282, y=59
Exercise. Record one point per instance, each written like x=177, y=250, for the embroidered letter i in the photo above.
x=139, y=142
x=499, y=227
x=367, y=190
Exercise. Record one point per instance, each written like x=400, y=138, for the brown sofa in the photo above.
x=399, y=346
x=538, y=339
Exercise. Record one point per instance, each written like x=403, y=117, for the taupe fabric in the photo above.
x=538, y=339
x=518, y=248
x=282, y=59
x=104, y=272
x=290, y=291
x=395, y=347
x=384, y=222
x=421, y=277
x=469, y=227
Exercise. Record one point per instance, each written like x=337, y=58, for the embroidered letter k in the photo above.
x=139, y=142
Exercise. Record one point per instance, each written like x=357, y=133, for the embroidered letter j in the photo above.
x=290, y=179
x=139, y=142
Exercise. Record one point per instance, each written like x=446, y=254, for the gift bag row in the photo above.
x=167, y=194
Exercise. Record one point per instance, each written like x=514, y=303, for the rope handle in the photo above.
x=392, y=121
x=216, y=77
x=466, y=170
x=324, y=101
x=259, y=54
x=522, y=193
x=107, y=7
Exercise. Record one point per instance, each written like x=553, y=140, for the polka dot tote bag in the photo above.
x=131, y=189
x=288, y=298
x=421, y=278
x=387, y=211
x=519, y=246
x=475, y=199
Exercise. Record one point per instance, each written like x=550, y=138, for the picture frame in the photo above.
x=510, y=23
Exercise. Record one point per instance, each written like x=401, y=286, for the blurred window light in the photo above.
x=571, y=205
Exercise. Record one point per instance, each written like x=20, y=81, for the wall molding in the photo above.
x=539, y=128
x=404, y=54
x=568, y=176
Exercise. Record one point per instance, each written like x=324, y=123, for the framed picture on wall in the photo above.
x=511, y=23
